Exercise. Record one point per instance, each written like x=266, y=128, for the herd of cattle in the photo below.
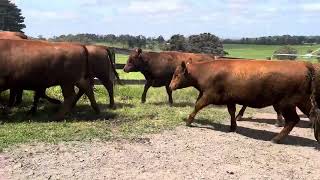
x=285, y=85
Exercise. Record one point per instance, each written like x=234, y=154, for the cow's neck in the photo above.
x=193, y=77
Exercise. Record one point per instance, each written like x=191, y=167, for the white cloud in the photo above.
x=210, y=17
x=156, y=7
x=311, y=7
x=93, y=2
x=51, y=15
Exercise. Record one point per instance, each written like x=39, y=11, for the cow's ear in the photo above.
x=184, y=67
x=139, y=51
x=189, y=61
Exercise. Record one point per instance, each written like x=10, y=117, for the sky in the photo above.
x=224, y=18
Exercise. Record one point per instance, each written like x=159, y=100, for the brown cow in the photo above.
x=158, y=67
x=279, y=115
x=257, y=84
x=15, y=95
x=100, y=62
x=37, y=65
x=101, y=65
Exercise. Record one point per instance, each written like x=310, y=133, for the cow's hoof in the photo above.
x=275, y=141
x=57, y=118
x=112, y=106
x=188, y=124
x=278, y=124
x=233, y=129
x=238, y=118
x=31, y=113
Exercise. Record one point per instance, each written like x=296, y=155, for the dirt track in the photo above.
x=204, y=152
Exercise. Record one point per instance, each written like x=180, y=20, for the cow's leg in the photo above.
x=78, y=96
x=279, y=121
x=305, y=107
x=87, y=88
x=18, y=98
x=291, y=119
x=169, y=92
x=241, y=112
x=12, y=97
x=43, y=94
x=232, y=112
x=201, y=103
x=69, y=96
x=36, y=98
x=200, y=95
x=51, y=100
x=145, y=90
x=109, y=86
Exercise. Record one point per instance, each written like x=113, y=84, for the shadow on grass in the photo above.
x=78, y=114
x=175, y=104
x=301, y=124
x=258, y=134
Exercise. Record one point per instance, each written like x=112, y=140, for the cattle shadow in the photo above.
x=81, y=113
x=175, y=104
x=301, y=124
x=262, y=135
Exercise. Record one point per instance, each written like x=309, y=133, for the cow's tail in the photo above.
x=314, y=115
x=111, y=56
x=88, y=74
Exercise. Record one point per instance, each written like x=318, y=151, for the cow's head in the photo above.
x=135, y=62
x=180, y=77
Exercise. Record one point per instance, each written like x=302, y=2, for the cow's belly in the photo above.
x=159, y=82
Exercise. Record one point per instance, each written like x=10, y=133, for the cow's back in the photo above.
x=163, y=64
x=12, y=35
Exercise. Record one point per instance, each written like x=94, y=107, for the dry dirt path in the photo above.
x=204, y=152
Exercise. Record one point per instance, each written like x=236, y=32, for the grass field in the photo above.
x=129, y=120
x=261, y=51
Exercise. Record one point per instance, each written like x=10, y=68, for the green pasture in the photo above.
x=261, y=51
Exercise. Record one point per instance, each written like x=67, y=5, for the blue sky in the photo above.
x=225, y=18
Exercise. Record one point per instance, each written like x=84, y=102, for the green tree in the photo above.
x=286, y=50
x=11, y=18
x=205, y=43
x=177, y=42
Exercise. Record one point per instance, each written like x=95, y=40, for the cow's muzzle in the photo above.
x=172, y=87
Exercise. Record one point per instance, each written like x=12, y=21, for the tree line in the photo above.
x=276, y=40
x=200, y=43
x=11, y=19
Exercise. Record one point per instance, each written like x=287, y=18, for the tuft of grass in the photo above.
x=130, y=119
